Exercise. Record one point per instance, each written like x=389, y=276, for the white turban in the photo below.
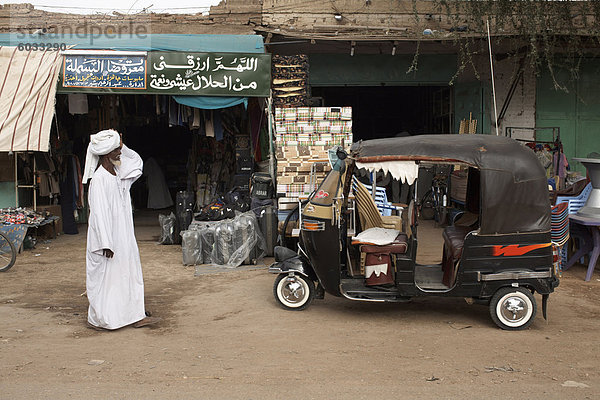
x=101, y=144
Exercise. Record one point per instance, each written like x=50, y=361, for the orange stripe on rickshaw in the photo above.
x=516, y=250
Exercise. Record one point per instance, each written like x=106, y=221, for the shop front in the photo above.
x=192, y=106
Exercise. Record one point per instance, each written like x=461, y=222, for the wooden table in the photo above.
x=590, y=243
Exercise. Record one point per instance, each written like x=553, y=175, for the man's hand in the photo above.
x=108, y=253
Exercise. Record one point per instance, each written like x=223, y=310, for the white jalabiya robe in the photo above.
x=115, y=286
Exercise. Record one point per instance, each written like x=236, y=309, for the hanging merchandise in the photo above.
x=218, y=127
x=561, y=165
x=78, y=103
x=196, y=119
x=158, y=191
x=209, y=123
x=290, y=80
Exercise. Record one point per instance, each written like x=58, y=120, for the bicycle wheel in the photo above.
x=427, y=206
x=441, y=211
x=8, y=253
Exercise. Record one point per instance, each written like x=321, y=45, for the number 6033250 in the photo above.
x=41, y=46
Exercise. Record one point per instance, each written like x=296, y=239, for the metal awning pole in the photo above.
x=271, y=139
x=34, y=184
x=16, y=182
x=492, y=71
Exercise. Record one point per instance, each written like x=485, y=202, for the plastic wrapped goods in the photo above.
x=224, y=244
x=191, y=247
x=168, y=229
x=230, y=242
x=245, y=230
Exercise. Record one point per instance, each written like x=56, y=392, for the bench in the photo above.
x=454, y=239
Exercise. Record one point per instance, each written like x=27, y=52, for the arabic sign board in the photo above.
x=174, y=73
x=114, y=72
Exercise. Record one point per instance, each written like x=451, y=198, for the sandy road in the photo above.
x=224, y=337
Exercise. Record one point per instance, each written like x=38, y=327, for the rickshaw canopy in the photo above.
x=514, y=187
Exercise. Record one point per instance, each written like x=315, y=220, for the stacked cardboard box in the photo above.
x=303, y=137
x=310, y=126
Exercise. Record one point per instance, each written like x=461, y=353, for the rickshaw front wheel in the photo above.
x=293, y=292
x=513, y=308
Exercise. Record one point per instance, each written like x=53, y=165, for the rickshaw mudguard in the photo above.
x=297, y=264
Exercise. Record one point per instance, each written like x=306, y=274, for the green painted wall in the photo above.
x=472, y=99
x=576, y=112
x=378, y=69
x=7, y=194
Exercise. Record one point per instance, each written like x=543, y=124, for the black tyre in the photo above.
x=513, y=308
x=293, y=292
x=8, y=253
x=427, y=210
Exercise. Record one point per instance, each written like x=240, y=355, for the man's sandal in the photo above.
x=96, y=328
x=147, y=322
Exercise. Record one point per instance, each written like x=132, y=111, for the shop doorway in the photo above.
x=203, y=152
x=387, y=111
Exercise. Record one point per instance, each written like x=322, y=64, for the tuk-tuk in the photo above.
x=500, y=259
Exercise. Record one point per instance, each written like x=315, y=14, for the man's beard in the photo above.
x=116, y=163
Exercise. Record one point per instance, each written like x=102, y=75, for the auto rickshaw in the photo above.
x=500, y=259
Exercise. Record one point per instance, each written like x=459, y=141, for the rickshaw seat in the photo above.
x=454, y=239
x=398, y=246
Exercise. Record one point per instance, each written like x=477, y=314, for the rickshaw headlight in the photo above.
x=310, y=225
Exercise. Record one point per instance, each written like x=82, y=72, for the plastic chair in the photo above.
x=574, y=203
x=560, y=232
x=368, y=213
x=381, y=201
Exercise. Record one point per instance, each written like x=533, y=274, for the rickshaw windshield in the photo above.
x=328, y=190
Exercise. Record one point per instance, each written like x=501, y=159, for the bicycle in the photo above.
x=8, y=253
x=434, y=204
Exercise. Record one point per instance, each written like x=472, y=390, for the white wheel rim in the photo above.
x=292, y=292
x=514, y=309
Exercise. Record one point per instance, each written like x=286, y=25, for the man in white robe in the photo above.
x=115, y=286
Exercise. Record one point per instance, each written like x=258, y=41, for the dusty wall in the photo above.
x=521, y=110
x=234, y=17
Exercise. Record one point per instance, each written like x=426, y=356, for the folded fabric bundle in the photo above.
x=376, y=236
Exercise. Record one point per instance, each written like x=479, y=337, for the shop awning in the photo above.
x=211, y=102
x=27, y=92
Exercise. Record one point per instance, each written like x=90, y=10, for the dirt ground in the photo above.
x=224, y=337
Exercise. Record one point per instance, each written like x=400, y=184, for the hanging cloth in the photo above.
x=209, y=124
x=218, y=125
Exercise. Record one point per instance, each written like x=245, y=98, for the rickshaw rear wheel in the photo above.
x=293, y=292
x=513, y=308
